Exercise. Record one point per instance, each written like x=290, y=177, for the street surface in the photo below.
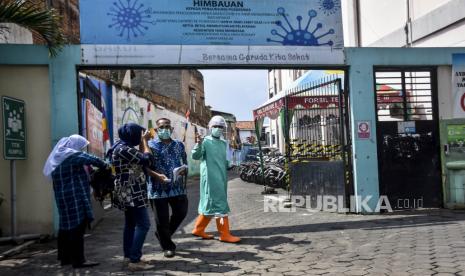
x=424, y=242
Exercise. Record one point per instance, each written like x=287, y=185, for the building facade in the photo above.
x=278, y=81
x=126, y=101
x=183, y=86
x=404, y=23
x=246, y=131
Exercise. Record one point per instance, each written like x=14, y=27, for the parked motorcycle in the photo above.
x=273, y=175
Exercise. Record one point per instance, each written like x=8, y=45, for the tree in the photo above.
x=42, y=21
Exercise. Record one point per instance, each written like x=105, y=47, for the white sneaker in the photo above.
x=139, y=266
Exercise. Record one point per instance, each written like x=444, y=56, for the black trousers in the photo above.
x=71, y=245
x=166, y=225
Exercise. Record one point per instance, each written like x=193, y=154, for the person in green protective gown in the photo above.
x=213, y=182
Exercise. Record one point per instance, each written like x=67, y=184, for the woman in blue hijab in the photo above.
x=131, y=166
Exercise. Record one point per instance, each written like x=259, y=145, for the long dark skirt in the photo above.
x=71, y=245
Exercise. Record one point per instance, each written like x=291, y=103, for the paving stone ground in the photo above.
x=424, y=242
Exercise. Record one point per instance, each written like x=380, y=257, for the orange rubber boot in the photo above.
x=223, y=227
x=200, y=225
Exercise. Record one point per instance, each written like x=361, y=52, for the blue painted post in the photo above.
x=63, y=89
x=362, y=108
x=63, y=80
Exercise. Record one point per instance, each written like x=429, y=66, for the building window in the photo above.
x=192, y=100
x=404, y=95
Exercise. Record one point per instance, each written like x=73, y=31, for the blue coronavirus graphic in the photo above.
x=300, y=36
x=129, y=18
x=329, y=6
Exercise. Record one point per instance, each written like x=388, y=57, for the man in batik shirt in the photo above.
x=169, y=154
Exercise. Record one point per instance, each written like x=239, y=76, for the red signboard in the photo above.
x=309, y=102
x=269, y=110
x=316, y=102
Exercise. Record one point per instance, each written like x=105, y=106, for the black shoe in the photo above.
x=169, y=253
x=86, y=264
x=64, y=263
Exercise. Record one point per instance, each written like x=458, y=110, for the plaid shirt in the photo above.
x=72, y=190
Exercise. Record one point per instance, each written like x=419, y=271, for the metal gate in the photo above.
x=408, y=137
x=319, y=150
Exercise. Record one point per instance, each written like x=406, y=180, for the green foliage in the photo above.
x=44, y=22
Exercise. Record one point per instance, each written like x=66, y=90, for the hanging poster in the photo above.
x=458, y=84
x=363, y=130
x=94, y=130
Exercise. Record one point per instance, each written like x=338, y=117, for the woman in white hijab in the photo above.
x=65, y=167
x=62, y=150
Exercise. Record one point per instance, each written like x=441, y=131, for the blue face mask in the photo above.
x=217, y=132
x=164, y=134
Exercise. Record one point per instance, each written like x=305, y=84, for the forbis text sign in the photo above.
x=212, y=32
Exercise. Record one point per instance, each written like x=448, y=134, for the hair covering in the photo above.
x=217, y=121
x=130, y=134
x=63, y=149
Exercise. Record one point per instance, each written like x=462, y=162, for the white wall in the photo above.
x=423, y=7
x=34, y=192
x=15, y=34
x=434, y=22
x=450, y=37
x=381, y=17
x=445, y=97
x=244, y=134
x=275, y=129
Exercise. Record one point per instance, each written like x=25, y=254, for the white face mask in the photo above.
x=217, y=132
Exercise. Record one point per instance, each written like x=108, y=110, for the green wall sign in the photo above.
x=14, y=128
x=456, y=133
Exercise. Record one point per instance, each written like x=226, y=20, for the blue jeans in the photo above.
x=137, y=224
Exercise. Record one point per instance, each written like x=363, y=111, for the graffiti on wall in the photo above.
x=131, y=111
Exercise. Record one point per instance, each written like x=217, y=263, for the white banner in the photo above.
x=458, y=84
x=209, y=55
x=309, y=23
